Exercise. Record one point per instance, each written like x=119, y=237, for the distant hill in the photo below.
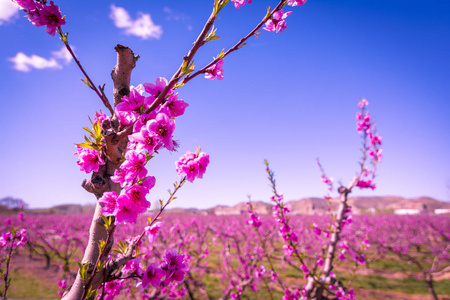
x=393, y=203
x=319, y=206
x=308, y=206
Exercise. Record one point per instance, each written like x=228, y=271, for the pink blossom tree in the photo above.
x=118, y=146
x=317, y=263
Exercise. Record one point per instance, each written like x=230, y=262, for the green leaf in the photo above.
x=221, y=55
x=83, y=270
x=216, y=37
x=86, y=81
x=212, y=35
x=101, y=245
x=221, y=6
x=178, y=85
x=242, y=45
x=88, y=130
x=91, y=293
x=88, y=145
x=268, y=13
x=148, y=157
x=161, y=203
x=100, y=265
x=97, y=130
x=216, y=6
x=107, y=222
x=187, y=69
x=121, y=247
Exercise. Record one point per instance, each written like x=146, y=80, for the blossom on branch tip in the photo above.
x=112, y=288
x=5, y=238
x=173, y=107
x=327, y=180
x=157, y=88
x=239, y=3
x=26, y=4
x=320, y=262
x=192, y=165
x=88, y=159
x=296, y=2
x=109, y=200
x=132, y=267
x=151, y=231
x=374, y=139
x=316, y=229
x=136, y=198
x=162, y=127
x=142, y=120
x=21, y=237
x=152, y=276
x=49, y=16
x=125, y=212
x=289, y=296
x=277, y=22
x=377, y=155
x=132, y=102
x=364, y=184
x=274, y=276
x=215, y=71
x=134, y=166
x=254, y=219
x=174, y=266
x=363, y=103
x=145, y=140
x=259, y=272
x=62, y=284
x=364, y=123
x=119, y=177
x=126, y=117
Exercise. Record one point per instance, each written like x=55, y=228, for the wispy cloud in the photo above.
x=177, y=16
x=25, y=63
x=142, y=27
x=8, y=11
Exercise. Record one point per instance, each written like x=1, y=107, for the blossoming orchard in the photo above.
x=132, y=248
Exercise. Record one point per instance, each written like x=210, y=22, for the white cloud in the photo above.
x=25, y=63
x=120, y=17
x=63, y=54
x=8, y=11
x=142, y=27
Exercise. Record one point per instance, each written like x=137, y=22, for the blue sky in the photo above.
x=288, y=97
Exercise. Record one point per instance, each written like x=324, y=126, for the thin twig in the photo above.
x=88, y=79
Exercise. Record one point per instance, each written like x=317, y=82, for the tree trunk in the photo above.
x=100, y=181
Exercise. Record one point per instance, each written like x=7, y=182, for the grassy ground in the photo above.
x=28, y=285
x=30, y=280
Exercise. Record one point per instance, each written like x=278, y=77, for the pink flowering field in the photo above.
x=220, y=250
